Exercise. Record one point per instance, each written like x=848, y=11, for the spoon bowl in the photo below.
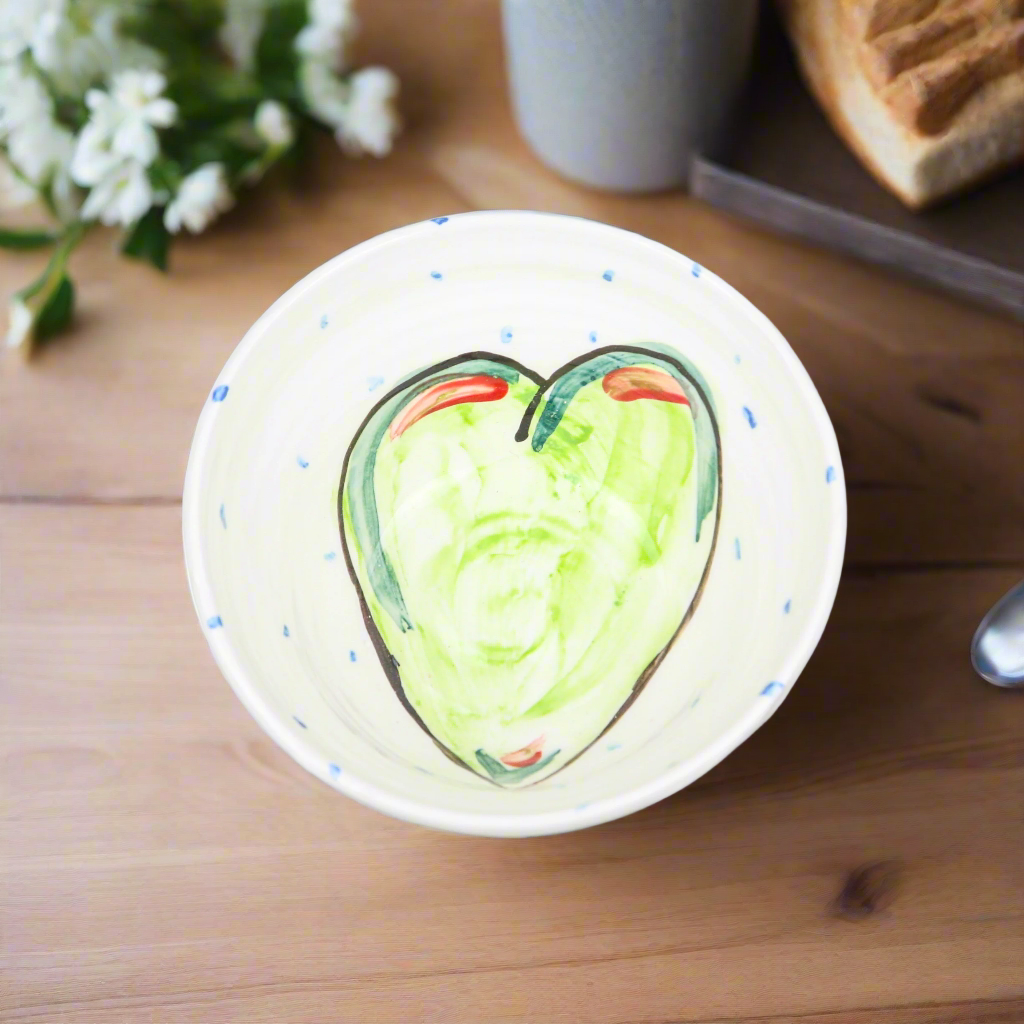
x=997, y=650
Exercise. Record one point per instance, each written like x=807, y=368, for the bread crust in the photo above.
x=928, y=93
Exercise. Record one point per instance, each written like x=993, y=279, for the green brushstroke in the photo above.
x=499, y=773
x=565, y=388
x=360, y=475
x=523, y=589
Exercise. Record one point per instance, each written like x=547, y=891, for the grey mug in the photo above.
x=618, y=94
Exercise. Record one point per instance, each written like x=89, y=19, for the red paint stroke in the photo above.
x=629, y=383
x=449, y=392
x=525, y=756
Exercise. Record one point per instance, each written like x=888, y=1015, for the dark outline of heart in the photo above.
x=387, y=660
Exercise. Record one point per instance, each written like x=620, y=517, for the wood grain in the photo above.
x=162, y=861
x=165, y=862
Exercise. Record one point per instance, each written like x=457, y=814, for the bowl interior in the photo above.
x=269, y=562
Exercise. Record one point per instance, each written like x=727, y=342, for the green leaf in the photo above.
x=57, y=310
x=29, y=238
x=214, y=147
x=45, y=306
x=276, y=59
x=165, y=174
x=149, y=240
x=497, y=770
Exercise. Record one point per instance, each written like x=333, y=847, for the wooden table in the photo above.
x=163, y=861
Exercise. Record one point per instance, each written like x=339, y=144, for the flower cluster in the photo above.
x=150, y=115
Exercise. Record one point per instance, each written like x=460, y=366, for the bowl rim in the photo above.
x=508, y=825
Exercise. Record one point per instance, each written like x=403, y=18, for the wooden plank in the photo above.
x=162, y=861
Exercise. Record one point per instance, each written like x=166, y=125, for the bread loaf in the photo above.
x=928, y=93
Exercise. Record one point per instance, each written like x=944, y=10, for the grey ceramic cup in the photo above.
x=618, y=94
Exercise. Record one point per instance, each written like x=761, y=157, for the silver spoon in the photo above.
x=997, y=650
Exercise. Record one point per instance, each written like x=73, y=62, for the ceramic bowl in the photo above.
x=510, y=524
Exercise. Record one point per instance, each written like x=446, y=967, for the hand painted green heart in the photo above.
x=519, y=596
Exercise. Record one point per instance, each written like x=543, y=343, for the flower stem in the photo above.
x=66, y=245
x=45, y=306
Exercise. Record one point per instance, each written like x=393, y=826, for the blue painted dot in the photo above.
x=214, y=622
x=750, y=417
x=330, y=556
x=372, y=383
x=695, y=701
x=351, y=655
x=223, y=518
x=300, y=722
x=737, y=360
x=695, y=269
x=772, y=688
x=608, y=275
x=286, y=631
x=786, y=607
x=303, y=464
x=220, y=393
x=506, y=335
x=323, y=321
x=614, y=746
x=592, y=337
x=830, y=474
x=436, y=275
x=583, y=806
x=334, y=770
x=736, y=547
x=439, y=220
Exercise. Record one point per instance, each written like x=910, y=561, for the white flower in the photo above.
x=24, y=105
x=41, y=152
x=75, y=42
x=93, y=158
x=322, y=42
x=201, y=198
x=52, y=36
x=370, y=121
x=273, y=124
x=361, y=111
x=337, y=14
x=241, y=30
x=325, y=94
x=119, y=141
x=20, y=323
x=38, y=148
x=330, y=27
x=18, y=20
x=131, y=111
x=122, y=196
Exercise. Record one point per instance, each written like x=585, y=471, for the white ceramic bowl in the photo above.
x=498, y=636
